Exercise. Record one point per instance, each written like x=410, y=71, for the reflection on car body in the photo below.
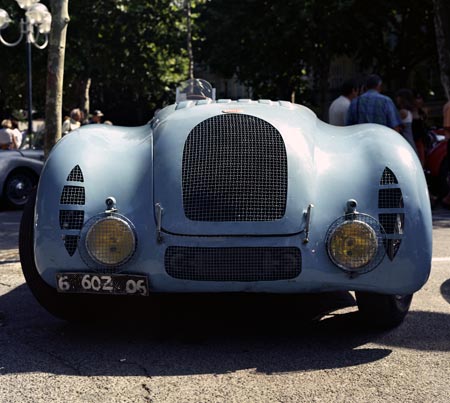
x=229, y=196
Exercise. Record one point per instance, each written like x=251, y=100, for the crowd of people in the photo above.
x=77, y=119
x=10, y=136
x=407, y=115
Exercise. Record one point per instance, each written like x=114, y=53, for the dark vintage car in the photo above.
x=222, y=196
x=19, y=174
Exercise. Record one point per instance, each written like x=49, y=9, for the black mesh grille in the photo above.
x=388, y=177
x=71, y=219
x=392, y=223
x=75, y=175
x=390, y=198
x=233, y=264
x=71, y=243
x=234, y=169
x=73, y=195
x=392, y=246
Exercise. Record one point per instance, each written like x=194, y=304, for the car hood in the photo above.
x=234, y=168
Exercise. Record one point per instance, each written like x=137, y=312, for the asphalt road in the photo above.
x=223, y=350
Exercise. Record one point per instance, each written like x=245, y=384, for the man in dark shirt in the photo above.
x=373, y=107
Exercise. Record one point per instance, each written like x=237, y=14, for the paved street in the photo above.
x=254, y=354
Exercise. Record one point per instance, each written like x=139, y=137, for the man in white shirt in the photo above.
x=338, y=108
x=6, y=134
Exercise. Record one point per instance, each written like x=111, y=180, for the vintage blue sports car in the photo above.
x=222, y=196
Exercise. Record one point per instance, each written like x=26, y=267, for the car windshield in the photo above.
x=195, y=89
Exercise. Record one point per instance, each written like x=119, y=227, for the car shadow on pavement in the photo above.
x=204, y=336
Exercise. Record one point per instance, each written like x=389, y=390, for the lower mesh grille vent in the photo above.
x=71, y=219
x=75, y=175
x=390, y=196
x=233, y=264
x=392, y=223
x=73, y=195
x=71, y=243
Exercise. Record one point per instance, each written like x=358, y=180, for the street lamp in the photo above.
x=37, y=22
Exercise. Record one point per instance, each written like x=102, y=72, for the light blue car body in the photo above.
x=141, y=168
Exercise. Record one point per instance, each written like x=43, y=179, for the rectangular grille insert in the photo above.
x=73, y=195
x=390, y=198
x=71, y=219
x=233, y=264
x=234, y=169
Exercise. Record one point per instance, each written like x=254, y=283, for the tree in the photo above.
x=55, y=73
x=283, y=47
x=131, y=52
x=442, y=18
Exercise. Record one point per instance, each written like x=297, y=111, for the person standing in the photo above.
x=6, y=135
x=405, y=101
x=96, y=117
x=446, y=115
x=419, y=127
x=339, y=107
x=74, y=122
x=373, y=107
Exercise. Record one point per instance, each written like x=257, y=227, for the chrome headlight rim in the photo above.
x=365, y=221
x=90, y=259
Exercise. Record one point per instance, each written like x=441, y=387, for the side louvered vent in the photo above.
x=71, y=243
x=388, y=177
x=75, y=175
x=73, y=195
x=71, y=218
x=391, y=211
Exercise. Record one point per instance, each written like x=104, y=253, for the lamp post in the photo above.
x=37, y=22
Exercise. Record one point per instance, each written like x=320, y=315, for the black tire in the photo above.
x=382, y=311
x=18, y=187
x=76, y=307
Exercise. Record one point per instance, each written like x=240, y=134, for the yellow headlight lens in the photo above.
x=110, y=241
x=352, y=245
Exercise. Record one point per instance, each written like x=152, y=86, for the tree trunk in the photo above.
x=55, y=73
x=187, y=8
x=85, y=99
x=442, y=26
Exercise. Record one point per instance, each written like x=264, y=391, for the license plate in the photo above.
x=112, y=284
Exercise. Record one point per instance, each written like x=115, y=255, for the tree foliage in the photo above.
x=280, y=46
x=133, y=52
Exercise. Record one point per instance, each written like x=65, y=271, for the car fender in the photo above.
x=114, y=162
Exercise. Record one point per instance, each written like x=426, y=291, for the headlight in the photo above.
x=356, y=244
x=108, y=240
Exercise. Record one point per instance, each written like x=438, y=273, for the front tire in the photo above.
x=382, y=311
x=62, y=306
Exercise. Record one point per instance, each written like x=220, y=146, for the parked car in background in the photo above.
x=222, y=196
x=19, y=175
